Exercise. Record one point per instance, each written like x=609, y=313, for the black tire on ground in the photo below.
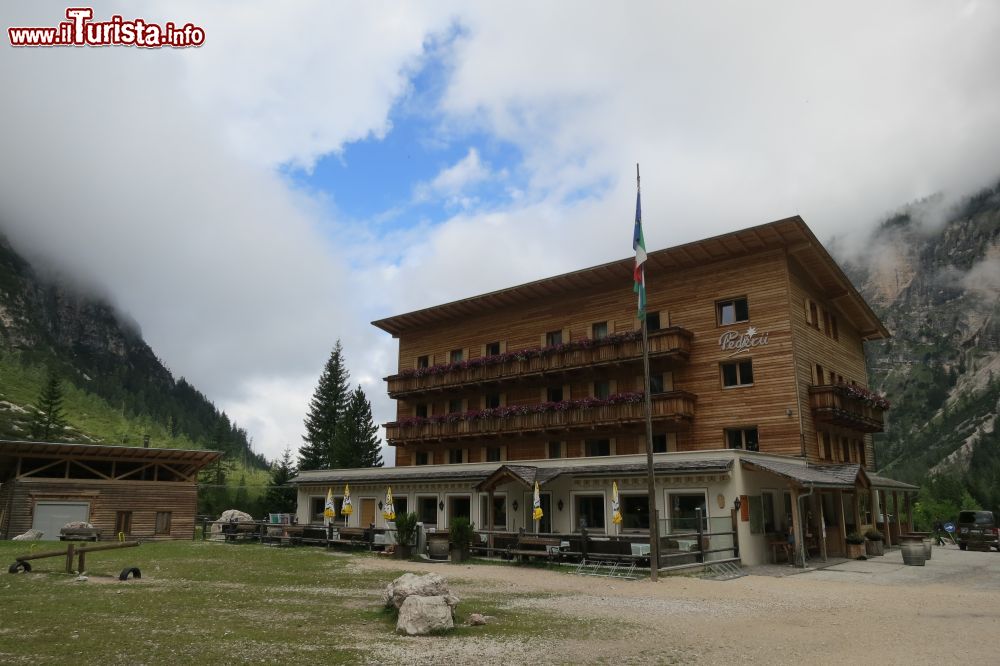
x=963, y=546
x=19, y=566
x=130, y=570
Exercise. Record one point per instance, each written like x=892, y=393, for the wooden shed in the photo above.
x=147, y=493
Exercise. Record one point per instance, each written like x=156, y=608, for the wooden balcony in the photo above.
x=675, y=408
x=668, y=343
x=833, y=404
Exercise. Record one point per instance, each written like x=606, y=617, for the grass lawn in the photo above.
x=211, y=602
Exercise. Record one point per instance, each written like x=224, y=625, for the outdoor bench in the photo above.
x=79, y=534
x=534, y=546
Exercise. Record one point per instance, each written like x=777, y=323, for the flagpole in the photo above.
x=654, y=539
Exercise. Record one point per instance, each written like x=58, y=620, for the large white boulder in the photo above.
x=419, y=616
x=30, y=535
x=412, y=585
x=230, y=516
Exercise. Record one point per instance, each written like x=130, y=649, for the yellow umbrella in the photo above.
x=345, y=507
x=388, y=510
x=537, y=503
x=616, y=511
x=329, y=510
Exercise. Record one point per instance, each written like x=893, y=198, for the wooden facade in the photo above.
x=511, y=373
x=146, y=493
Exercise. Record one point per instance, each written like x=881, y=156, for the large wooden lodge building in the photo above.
x=758, y=391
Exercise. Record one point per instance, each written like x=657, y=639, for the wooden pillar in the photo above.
x=873, y=506
x=838, y=496
x=899, y=516
x=856, y=505
x=822, y=527
x=69, y=557
x=888, y=520
x=492, y=520
x=797, y=531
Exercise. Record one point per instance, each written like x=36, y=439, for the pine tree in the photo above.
x=48, y=421
x=280, y=496
x=326, y=408
x=356, y=443
x=242, y=497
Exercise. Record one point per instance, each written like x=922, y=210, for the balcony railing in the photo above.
x=671, y=342
x=676, y=407
x=838, y=405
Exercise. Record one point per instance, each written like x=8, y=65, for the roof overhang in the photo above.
x=790, y=235
x=10, y=451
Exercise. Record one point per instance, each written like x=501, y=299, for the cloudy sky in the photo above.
x=317, y=165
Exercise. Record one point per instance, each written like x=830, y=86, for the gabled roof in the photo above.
x=819, y=476
x=886, y=483
x=790, y=234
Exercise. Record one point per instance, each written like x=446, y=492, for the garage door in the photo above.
x=51, y=516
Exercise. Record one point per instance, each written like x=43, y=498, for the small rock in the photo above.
x=81, y=579
x=476, y=620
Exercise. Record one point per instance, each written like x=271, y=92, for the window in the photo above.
x=833, y=323
x=598, y=447
x=421, y=410
x=739, y=373
x=659, y=443
x=492, y=349
x=455, y=406
x=652, y=321
x=455, y=356
x=844, y=451
x=554, y=394
x=599, y=331
x=590, y=511
x=861, y=454
x=731, y=312
x=684, y=512
x=400, y=505
x=123, y=522
x=635, y=512
x=813, y=315
x=819, y=374
x=553, y=338
x=316, y=506
x=656, y=384
x=555, y=449
x=499, y=511
x=743, y=438
x=456, y=456
x=420, y=458
x=492, y=400
x=827, y=449
x=826, y=324
x=423, y=361
x=427, y=510
x=493, y=454
x=767, y=506
x=163, y=522
x=602, y=389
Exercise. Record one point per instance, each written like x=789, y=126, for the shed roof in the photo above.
x=11, y=450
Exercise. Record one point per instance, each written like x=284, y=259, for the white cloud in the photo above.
x=451, y=182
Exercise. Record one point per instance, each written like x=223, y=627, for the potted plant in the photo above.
x=461, y=533
x=406, y=530
x=873, y=543
x=856, y=547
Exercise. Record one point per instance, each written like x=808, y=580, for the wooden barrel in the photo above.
x=913, y=553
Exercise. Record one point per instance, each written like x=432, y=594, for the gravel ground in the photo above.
x=875, y=611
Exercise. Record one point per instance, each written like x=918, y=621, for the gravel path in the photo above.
x=872, y=612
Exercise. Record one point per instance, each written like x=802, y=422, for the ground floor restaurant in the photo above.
x=723, y=504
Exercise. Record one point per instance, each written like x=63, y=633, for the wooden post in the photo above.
x=899, y=516
x=822, y=528
x=797, y=531
x=888, y=521
x=874, y=506
x=909, y=512
x=69, y=558
x=857, y=509
x=82, y=565
x=492, y=520
x=842, y=519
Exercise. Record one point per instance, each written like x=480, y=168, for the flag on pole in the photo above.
x=329, y=510
x=616, y=511
x=639, y=245
x=345, y=507
x=388, y=510
x=537, y=513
